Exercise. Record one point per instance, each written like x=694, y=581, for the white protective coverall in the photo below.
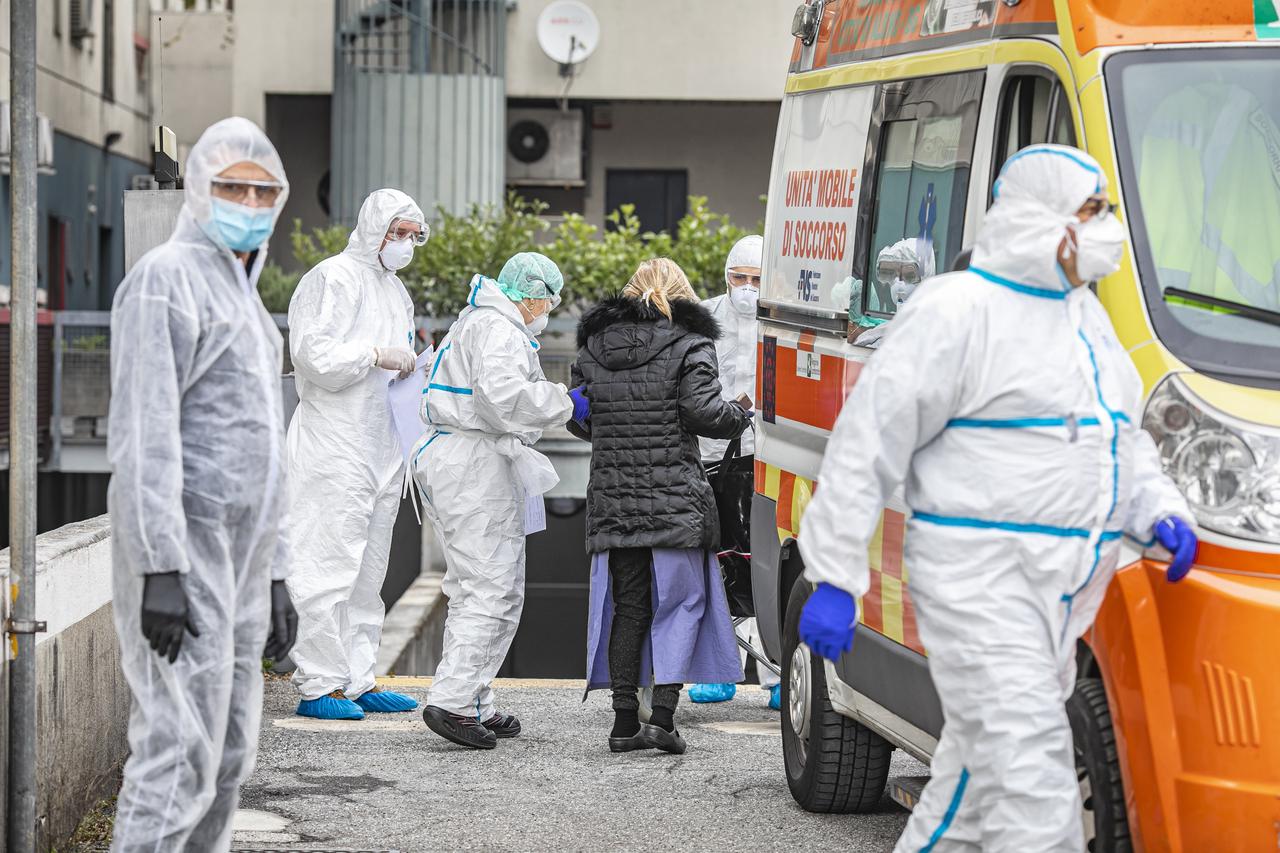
x=487, y=403
x=197, y=487
x=736, y=355
x=1005, y=402
x=345, y=458
x=736, y=348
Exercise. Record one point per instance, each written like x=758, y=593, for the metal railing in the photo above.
x=81, y=375
x=418, y=102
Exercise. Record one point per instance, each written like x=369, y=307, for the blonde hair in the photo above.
x=658, y=281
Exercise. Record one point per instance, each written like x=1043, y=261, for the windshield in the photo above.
x=1200, y=167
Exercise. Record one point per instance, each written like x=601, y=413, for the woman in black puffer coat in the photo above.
x=658, y=611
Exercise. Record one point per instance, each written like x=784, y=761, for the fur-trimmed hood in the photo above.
x=623, y=332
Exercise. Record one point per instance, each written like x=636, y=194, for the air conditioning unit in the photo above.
x=44, y=142
x=80, y=18
x=544, y=147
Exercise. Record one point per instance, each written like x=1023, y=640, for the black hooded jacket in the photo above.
x=654, y=387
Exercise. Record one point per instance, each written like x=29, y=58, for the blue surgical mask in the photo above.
x=239, y=227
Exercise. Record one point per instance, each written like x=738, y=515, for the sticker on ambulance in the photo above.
x=813, y=197
x=809, y=365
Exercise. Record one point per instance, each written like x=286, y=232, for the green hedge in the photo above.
x=595, y=263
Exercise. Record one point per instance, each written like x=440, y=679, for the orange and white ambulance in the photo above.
x=897, y=116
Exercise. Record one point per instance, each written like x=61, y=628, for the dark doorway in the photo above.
x=298, y=125
x=108, y=280
x=661, y=196
x=56, y=266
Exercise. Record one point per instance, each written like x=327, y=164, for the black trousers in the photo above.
x=631, y=576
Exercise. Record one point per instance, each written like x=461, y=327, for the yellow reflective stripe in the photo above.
x=891, y=607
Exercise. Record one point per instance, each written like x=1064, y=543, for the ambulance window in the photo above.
x=1064, y=129
x=921, y=171
x=1024, y=115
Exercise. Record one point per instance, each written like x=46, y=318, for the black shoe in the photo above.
x=464, y=731
x=629, y=744
x=502, y=725
x=656, y=738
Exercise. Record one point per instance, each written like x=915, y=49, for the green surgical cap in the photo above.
x=530, y=275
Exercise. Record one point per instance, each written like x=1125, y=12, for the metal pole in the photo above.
x=21, y=627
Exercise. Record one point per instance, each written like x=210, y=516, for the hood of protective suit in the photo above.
x=487, y=293
x=1036, y=196
x=379, y=210
x=623, y=332
x=910, y=251
x=223, y=144
x=747, y=252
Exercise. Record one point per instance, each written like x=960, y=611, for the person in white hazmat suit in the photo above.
x=350, y=333
x=1004, y=400
x=197, y=498
x=486, y=404
x=735, y=311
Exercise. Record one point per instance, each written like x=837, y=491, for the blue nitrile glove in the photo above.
x=827, y=621
x=1179, y=540
x=581, y=405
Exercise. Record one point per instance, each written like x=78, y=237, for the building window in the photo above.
x=108, y=50
x=141, y=48
x=660, y=196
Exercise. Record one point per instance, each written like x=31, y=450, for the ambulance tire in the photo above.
x=1106, y=820
x=841, y=767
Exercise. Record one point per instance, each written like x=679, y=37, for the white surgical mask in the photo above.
x=744, y=298
x=1098, y=245
x=900, y=291
x=537, y=325
x=397, y=254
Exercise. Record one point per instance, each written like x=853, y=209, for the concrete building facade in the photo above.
x=93, y=84
x=678, y=98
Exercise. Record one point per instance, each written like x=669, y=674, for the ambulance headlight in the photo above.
x=1228, y=470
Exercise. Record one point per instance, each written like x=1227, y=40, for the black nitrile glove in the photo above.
x=165, y=614
x=284, y=623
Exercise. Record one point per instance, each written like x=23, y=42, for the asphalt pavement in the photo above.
x=387, y=783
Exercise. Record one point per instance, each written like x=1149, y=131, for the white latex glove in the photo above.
x=401, y=360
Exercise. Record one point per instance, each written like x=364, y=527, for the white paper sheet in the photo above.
x=405, y=397
x=535, y=514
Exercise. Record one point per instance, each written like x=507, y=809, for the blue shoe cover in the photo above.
x=775, y=697
x=712, y=692
x=386, y=702
x=329, y=708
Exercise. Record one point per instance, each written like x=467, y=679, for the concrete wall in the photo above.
x=705, y=50
x=726, y=148
x=281, y=46
x=83, y=700
x=195, y=53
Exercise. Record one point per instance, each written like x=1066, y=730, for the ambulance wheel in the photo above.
x=1106, y=821
x=833, y=763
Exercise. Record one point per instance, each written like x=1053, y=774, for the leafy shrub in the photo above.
x=595, y=262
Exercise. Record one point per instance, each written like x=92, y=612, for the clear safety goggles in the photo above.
x=740, y=279
x=403, y=229
x=552, y=300
x=887, y=271
x=1098, y=208
x=240, y=191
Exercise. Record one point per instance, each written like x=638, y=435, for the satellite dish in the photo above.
x=568, y=31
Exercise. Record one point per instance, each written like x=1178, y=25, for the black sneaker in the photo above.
x=464, y=731
x=658, y=738
x=502, y=725
x=629, y=744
